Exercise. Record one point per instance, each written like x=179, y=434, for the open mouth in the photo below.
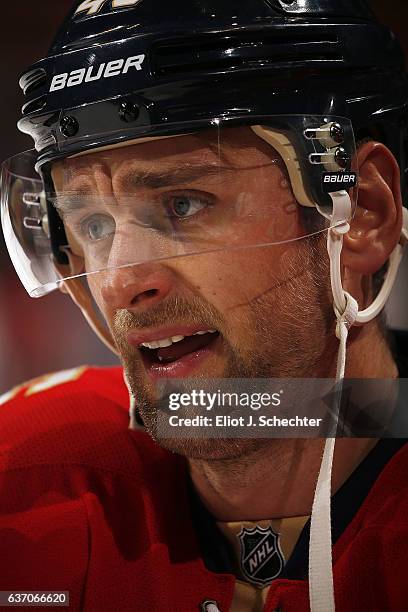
x=178, y=354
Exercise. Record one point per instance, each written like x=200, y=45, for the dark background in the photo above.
x=39, y=336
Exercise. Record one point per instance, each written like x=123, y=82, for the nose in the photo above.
x=141, y=286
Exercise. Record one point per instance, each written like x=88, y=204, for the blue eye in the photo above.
x=186, y=206
x=98, y=227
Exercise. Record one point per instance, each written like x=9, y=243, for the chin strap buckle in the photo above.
x=348, y=317
x=345, y=321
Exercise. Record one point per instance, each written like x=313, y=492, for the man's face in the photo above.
x=181, y=227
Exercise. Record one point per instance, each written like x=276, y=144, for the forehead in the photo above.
x=237, y=147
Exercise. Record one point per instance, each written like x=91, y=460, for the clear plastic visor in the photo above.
x=151, y=199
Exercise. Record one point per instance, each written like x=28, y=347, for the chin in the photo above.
x=214, y=449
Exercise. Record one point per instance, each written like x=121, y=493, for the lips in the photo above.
x=175, y=352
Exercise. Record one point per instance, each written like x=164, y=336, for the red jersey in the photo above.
x=91, y=507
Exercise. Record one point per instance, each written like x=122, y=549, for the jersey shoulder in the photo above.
x=74, y=481
x=107, y=382
x=75, y=417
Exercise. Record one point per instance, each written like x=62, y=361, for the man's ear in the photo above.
x=376, y=226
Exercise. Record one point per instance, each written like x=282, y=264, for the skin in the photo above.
x=272, y=305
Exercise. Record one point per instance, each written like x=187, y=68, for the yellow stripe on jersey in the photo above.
x=54, y=380
x=43, y=383
x=6, y=397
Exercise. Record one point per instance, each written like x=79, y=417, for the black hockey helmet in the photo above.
x=320, y=73
x=125, y=64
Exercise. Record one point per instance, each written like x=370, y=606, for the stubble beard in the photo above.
x=291, y=325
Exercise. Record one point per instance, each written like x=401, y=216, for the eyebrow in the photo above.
x=71, y=198
x=168, y=178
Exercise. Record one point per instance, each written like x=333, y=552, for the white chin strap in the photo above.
x=321, y=590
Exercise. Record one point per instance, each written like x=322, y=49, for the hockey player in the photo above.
x=218, y=186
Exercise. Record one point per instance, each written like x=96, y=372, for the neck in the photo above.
x=272, y=481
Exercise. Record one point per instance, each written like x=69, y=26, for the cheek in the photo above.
x=241, y=284
x=234, y=280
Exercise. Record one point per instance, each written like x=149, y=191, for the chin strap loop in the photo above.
x=341, y=202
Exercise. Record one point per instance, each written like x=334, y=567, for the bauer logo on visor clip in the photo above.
x=337, y=181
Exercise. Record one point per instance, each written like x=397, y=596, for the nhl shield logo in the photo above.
x=261, y=557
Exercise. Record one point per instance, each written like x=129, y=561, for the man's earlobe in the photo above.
x=376, y=226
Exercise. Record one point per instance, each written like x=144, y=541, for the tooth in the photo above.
x=177, y=338
x=164, y=343
x=151, y=345
x=173, y=340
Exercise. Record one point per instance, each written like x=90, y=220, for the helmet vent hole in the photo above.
x=34, y=105
x=33, y=80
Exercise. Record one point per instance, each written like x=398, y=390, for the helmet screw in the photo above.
x=341, y=158
x=69, y=126
x=337, y=133
x=128, y=111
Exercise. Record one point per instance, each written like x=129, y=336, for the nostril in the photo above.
x=146, y=295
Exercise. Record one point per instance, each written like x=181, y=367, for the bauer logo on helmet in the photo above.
x=88, y=75
x=91, y=7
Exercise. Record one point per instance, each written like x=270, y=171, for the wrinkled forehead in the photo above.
x=235, y=147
